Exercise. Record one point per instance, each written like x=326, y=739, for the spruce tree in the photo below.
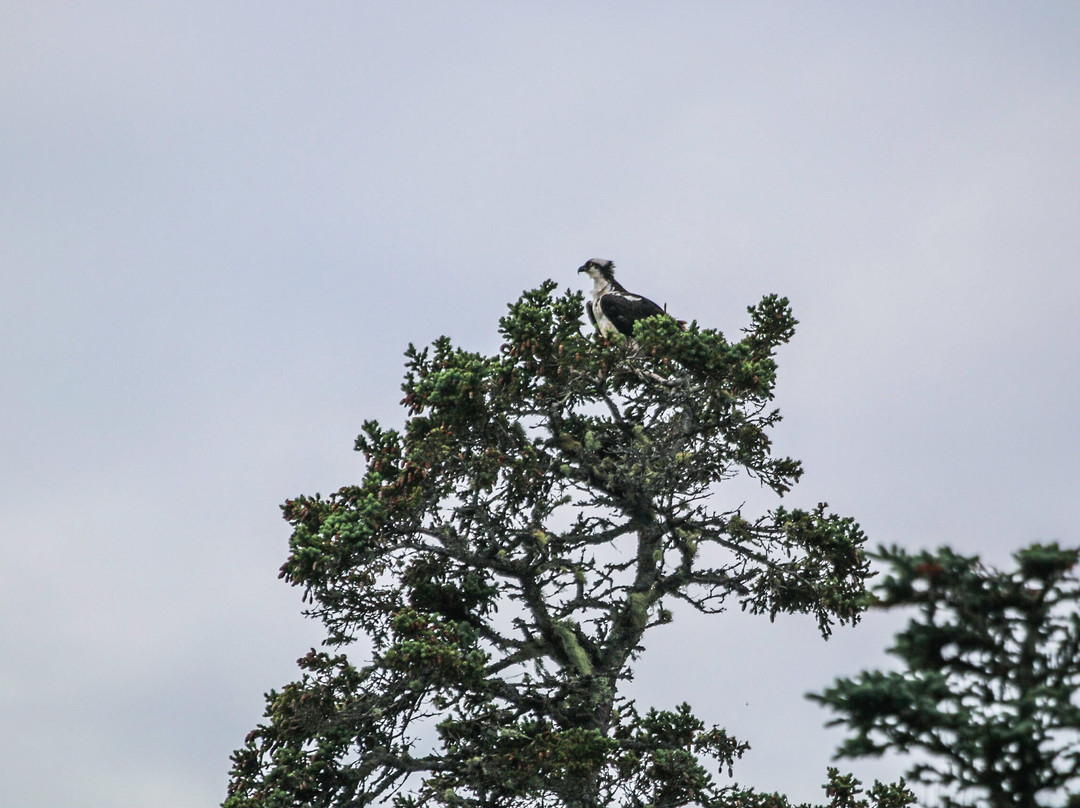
x=506, y=553
x=990, y=670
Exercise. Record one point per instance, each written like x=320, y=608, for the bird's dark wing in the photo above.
x=625, y=310
x=589, y=311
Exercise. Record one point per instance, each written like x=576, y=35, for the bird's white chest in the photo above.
x=605, y=326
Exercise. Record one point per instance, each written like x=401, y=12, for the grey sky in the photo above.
x=222, y=223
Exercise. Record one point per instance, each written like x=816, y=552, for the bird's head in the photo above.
x=598, y=269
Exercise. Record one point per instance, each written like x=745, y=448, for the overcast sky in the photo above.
x=222, y=223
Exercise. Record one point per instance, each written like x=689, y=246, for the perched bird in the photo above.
x=611, y=308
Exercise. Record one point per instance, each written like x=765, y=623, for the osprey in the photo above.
x=613, y=309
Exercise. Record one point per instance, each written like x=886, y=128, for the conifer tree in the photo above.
x=506, y=553
x=987, y=693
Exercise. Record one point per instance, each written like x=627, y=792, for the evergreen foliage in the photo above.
x=988, y=689
x=505, y=554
